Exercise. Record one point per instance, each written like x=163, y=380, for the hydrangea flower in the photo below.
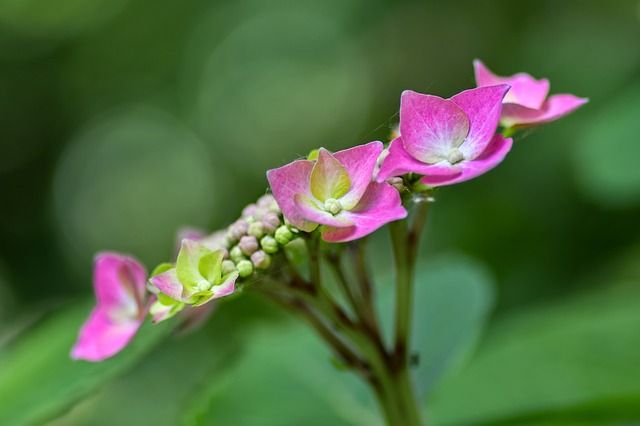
x=119, y=283
x=195, y=279
x=526, y=104
x=448, y=140
x=336, y=192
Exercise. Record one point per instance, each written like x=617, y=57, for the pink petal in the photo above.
x=119, y=283
x=168, y=283
x=225, y=288
x=286, y=182
x=399, y=162
x=313, y=213
x=431, y=126
x=360, y=161
x=525, y=90
x=555, y=107
x=379, y=205
x=100, y=337
x=491, y=157
x=483, y=106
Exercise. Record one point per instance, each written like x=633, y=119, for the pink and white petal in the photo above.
x=313, y=213
x=557, y=106
x=101, y=338
x=119, y=281
x=286, y=182
x=360, y=162
x=490, y=158
x=398, y=162
x=168, y=283
x=225, y=288
x=525, y=89
x=483, y=106
x=380, y=205
x=431, y=126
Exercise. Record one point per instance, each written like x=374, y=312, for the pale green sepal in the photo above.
x=329, y=178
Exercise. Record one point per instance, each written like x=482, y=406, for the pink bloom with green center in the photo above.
x=448, y=140
x=119, y=283
x=526, y=104
x=195, y=279
x=336, y=192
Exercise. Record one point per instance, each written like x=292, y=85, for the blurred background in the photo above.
x=123, y=120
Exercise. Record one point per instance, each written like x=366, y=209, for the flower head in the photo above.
x=195, y=279
x=448, y=140
x=335, y=190
x=526, y=104
x=119, y=283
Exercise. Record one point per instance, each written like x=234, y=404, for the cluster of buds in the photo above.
x=259, y=233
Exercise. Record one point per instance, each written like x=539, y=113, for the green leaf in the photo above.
x=39, y=380
x=284, y=378
x=576, y=360
x=453, y=298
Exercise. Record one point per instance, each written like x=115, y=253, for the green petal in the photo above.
x=329, y=178
x=188, y=266
x=163, y=267
x=210, y=266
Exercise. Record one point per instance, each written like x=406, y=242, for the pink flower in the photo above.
x=119, y=283
x=526, y=104
x=448, y=140
x=337, y=192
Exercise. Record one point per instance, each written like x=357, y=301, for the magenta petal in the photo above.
x=491, y=157
x=379, y=205
x=225, y=288
x=483, y=106
x=313, y=213
x=286, y=182
x=100, y=337
x=525, y=90
x=168, y=283
x=399, y=162
x=359, y=162
x=431, y=126
x=119, y=282
x=555, y=107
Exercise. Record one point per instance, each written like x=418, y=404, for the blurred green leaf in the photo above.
x=285, y=378
x=38, y=379
x=453, y=298
x=575, y=360
x=606, y=157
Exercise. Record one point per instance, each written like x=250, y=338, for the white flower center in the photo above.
x=332, y=206
x=455, y=156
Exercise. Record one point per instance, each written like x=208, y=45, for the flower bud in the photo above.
x=397, y=182
x=269, y=244
x=268, y=202
x=248, y=244
x=245, y=268
x=256, y=229
x=237, y=230
x=228, y=267
x=283, y=235
x=260, y=260
x=236, y=254
x=250, y=210
x=271, y=221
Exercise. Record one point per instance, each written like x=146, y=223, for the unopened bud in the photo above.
x=228, y=267
x=248, y=244
x=397, y=182
x=245, y=268
x=269, y=244
x=283, y=235
x=237, y=230
x=260, y=260
x=236, y=254
x=249, y=210
x=256, y=229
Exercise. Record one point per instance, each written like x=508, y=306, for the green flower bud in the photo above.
x=269, y=244
x=256, y=229
x=245, y=268
x=228, y=267
x=283, y=235
x=236, y=254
